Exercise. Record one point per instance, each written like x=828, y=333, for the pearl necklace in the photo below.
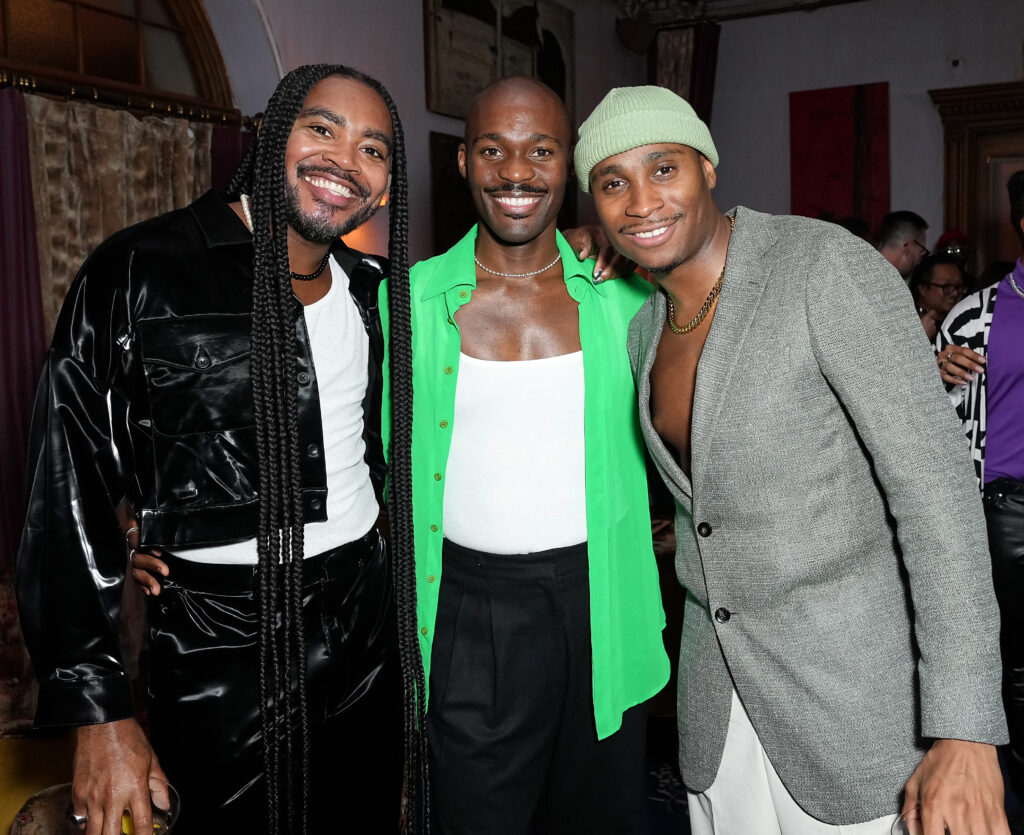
x=708, y=302
x=518, y=275
x=244, y=198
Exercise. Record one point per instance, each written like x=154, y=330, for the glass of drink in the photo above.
x=165, y=804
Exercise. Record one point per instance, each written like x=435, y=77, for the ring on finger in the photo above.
x=79, y=820
x=129, y=532
x=131, y=558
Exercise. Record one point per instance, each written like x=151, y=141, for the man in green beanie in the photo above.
x=839, y=638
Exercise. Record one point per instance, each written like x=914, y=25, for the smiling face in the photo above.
x=515, y=159
x=944, y=288
x=655, y=203
x=337, y=160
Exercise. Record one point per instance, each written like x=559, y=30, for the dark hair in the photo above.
x=923, y=273
x=1015, y=188
x=282, y=651
x=899, y=226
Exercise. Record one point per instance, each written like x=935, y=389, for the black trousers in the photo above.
x=1004, y=517
x=204, y=692
x=510, y=721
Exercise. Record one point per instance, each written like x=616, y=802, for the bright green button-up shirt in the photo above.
x=626, y=615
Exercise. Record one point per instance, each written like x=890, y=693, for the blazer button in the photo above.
x=704, y=529
x=722, y=615
x=303, y=377
x=316, y=504
x=313, y=450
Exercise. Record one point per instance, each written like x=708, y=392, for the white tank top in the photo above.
x=515, y=480
x=340, y=349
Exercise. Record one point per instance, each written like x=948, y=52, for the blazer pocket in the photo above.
x=197, y=373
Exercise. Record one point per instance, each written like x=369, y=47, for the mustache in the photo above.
x=337, y=174
x=647, y=224
x=511, y=188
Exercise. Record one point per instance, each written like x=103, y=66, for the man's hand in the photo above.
x=956, y=364
x=113, y=764
x=959, y=789
x=142, y=564
x=591, y=242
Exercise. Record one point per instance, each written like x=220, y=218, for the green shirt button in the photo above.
x=448, y=369
x=433, y=528
x=443, y=424
x=424, y=630
x=437, y=476
x=463, y=294
x=431, y=578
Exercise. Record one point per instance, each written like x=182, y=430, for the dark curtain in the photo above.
x=21, y=318
x=227, y=145
x=839, y=153
x=685, y=59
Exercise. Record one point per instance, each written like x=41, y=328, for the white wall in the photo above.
x=385, y=39
x=909, y=43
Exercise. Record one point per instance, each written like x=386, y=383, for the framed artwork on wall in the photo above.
x=470, y=43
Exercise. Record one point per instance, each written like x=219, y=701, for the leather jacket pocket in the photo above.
x=197, y=372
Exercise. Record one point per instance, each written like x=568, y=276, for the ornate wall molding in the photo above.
x=983, y=130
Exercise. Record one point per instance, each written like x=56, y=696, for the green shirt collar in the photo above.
x=456, y=268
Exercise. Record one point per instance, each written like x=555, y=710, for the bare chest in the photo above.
x=513, y=324
x=673, y=380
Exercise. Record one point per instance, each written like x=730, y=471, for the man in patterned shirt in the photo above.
x=980, y=358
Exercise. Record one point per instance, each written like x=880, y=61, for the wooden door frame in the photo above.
x=981, y=124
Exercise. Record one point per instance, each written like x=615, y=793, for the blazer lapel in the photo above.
x=746, y=273
x=650, y=337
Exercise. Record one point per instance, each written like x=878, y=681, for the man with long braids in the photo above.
x=538, y=607
x=217, y=373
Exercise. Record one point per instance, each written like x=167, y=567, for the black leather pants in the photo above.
x=204, y=693
x=1004, y=517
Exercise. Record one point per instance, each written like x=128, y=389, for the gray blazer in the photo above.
x=830, y=522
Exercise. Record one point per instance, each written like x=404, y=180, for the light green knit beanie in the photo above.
x=629, y=117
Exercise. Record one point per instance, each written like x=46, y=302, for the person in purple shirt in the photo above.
x=981, y=359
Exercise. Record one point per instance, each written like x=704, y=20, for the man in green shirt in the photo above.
x=538, y=605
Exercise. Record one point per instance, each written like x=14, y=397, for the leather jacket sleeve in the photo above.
x=71, y=560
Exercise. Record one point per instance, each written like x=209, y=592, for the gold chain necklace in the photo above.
x=708, y=302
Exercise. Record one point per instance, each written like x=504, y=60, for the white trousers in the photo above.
x=748, y=798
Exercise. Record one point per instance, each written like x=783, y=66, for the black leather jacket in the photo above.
x=146, y=395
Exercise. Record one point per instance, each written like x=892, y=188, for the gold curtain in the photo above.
x=95, y=171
